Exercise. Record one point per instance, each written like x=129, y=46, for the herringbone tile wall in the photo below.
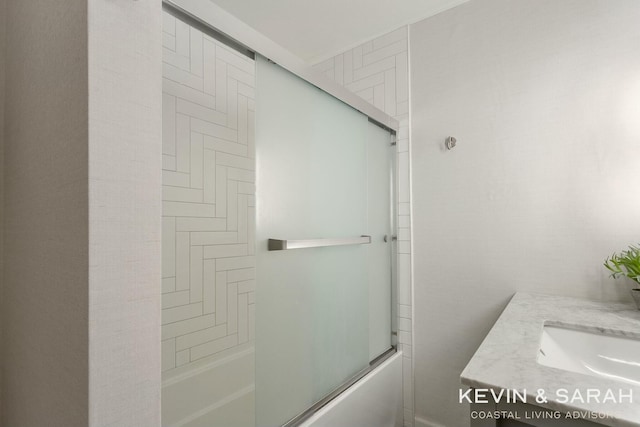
x=208, y=224
x=208, y=264
x=378, y=71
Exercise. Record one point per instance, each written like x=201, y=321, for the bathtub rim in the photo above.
x=323, y=403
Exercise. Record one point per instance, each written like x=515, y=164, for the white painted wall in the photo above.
x=81, y=300
x=544, y=98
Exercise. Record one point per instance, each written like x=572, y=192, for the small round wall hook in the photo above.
x=450, y=142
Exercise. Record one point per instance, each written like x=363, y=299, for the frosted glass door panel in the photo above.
x=312, y=311
x=379, y=191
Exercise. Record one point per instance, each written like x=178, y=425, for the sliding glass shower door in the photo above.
x=323, y=298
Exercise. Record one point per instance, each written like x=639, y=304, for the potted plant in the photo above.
x=627, y=264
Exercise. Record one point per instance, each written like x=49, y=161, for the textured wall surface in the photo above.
x=208, y=193
x=378, y=71
x=125, y=143
x=544, y=98
x=81, y=308
x=45, y=377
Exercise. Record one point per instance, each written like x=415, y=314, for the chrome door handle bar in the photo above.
x=285, y=245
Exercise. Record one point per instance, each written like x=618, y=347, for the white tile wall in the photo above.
x=378, y=71
x=209, y=184
x=208, y=198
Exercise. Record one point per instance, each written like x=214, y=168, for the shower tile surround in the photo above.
x=208, y=224
x=378, y=71
x=208, y=268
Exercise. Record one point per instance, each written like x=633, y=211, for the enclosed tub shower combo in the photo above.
x=278, y=238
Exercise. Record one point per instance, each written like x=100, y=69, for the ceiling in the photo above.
x=317, y=29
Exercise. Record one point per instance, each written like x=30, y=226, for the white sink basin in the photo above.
x=601, y=355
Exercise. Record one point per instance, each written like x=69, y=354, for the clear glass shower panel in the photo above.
x=316, y=176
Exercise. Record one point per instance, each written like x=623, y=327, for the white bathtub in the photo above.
x=219, y=393
x=222, y=394
x=374, y=401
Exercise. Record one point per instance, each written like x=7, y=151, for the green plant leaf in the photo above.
x=626, y=264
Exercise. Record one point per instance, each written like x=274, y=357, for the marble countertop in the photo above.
x=506, y=359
